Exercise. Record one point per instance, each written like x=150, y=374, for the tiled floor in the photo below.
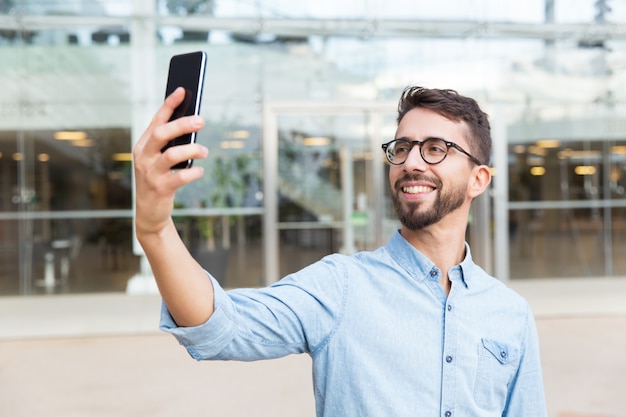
x=100, y=355
x=150, y=375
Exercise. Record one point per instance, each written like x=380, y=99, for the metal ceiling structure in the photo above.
x=356, y=28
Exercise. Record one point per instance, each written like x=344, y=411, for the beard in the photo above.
x=445, y=202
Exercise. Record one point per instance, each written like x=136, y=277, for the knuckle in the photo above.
x=160, y=133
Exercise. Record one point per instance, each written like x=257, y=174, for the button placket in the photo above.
x=452, y=356
x=449, y=358
x=449, y=352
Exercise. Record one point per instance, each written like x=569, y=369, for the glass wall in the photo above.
x=80, y=80
x=567, y=198
x=330, y=186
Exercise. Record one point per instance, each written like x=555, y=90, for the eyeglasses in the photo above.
x=432, y=150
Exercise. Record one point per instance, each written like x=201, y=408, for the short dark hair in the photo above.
x=453, y=106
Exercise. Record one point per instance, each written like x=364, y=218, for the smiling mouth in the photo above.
x=417, y=189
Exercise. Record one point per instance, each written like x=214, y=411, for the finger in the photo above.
x=163, y=114
x=180, y=153
x=164, y=133
x=157, y=184
x=166, y=110
x=185, y=176
x=166, y=185
x=154, y=140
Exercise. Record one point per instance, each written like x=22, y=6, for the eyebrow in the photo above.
x=429, y=137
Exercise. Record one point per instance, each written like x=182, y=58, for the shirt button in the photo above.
x=448, y=413
x=449, y=307
x=503, y=354
x=448, y=358
x=433, y=273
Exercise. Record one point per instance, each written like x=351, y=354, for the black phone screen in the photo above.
x=187, y=71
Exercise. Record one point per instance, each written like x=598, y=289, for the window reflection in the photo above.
x=70, y=255
x=60, y=192
x=228, y=245
x=584, y=231
x=557, y=243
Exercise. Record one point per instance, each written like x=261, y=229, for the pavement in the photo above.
x=101, y=355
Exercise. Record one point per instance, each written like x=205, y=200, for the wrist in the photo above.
x=152, y=233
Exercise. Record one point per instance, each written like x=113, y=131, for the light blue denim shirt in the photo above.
x=384, y=338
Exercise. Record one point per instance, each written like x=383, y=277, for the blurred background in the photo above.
x=298, y=98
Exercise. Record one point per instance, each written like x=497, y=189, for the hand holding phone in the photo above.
x=187, y=71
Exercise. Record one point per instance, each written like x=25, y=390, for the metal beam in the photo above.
x=353, y=28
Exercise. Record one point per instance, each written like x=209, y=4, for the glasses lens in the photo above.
x=434, y=150
x=397, y=151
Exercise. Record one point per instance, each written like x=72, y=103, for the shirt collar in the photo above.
x=466, y=266
x=416, y=264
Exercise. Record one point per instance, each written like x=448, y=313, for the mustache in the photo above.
x=416, y=177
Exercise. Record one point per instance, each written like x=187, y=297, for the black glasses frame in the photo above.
x=392, y=160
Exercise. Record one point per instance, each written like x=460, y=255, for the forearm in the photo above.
x=184, y=286
x=182, y=282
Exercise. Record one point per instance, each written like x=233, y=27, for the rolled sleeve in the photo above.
x=207, y=340
x=294, y=315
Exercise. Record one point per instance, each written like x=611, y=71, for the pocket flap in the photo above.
x=502, y=352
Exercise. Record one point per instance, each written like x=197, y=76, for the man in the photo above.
x=414, y=328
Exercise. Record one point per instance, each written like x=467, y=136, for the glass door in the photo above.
x=323, y=181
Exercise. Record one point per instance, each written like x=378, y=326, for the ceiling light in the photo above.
x=536, y=150
x=122, y=157
x=565, y=153
x=238, y=134
x=615, y=175
x=43, y=157
x=548, y=143
x=618, y=150
x=232, y=144
x=537, y=171
x=83, y=143
x=70, y=135
x=585, y=170
x=580, y=155
x=316, y=141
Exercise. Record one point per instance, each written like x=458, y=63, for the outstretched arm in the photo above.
x=182, y=282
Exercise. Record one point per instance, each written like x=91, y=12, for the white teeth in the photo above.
x=416, y=189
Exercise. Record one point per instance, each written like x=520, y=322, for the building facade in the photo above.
x=298, y=99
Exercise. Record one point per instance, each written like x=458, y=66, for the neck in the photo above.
x=443, y=244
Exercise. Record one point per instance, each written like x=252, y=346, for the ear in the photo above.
x=480, y=178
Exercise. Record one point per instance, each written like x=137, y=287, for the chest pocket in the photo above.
x=497, y=364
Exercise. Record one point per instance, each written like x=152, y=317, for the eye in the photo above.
x=400, y=147
x=435, y=147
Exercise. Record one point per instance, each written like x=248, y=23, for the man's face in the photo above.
x=424, y=194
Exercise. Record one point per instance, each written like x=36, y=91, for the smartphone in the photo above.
x=187, y=71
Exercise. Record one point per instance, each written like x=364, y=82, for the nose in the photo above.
x=414, y=160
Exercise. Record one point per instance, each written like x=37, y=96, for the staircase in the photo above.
x=310, y=191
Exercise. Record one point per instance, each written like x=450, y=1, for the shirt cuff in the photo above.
x=210, y=338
